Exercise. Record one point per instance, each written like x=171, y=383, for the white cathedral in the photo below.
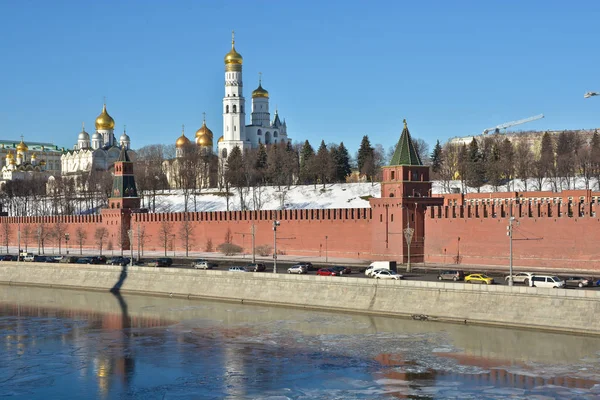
x=235, y=131
x=98, y=154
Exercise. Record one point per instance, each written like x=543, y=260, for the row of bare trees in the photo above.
x=556, y=160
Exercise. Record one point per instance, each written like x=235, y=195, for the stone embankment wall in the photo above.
x=535, y=308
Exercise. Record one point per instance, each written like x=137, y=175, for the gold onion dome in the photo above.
x=260, y=92
x=104, y=121
x=233, y=57
x=10, y=155
x=22, y=146
x=33, y=156
x=221, y=139
x=204, y=136
x=182, y=140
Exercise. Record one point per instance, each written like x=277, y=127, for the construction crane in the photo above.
x=497, y=128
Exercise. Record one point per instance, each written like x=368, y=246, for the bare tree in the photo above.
x=27, y=231
x=80, y=236
x=58, y=232
x=6, y=232
x=143, y=238
x=186, y=233
x=165, y=233
x=449, y=165
x=422, y=149
x=523, y=162
x=42, y=235
x=100, y=236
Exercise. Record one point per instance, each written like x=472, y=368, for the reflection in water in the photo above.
x=60, y=343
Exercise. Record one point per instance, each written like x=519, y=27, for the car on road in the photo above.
x=371, y=271
x=49, y=259
x=84, y=260
x=387, y=274
x=160, y=262
x=29, y=257
x=203, y=264
x=238, y=269
x=547, y=281
x=342, y=269
x=578, y=281
x=520, y=277
x=327, y=272
x=297, y=269
x=451, y=275
x=256, y=267
x=122, y=261
x=479, y=278
x=308, y=265
x=100, y=259
x=68, y=260
x=7, y=257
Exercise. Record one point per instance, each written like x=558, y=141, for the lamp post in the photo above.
x=253, y=230
x=326, y=250
x=173, y=243
x=408, y=235
x=39, y=235
x=19, y=238
x=509, y=232
x=67, y=237
x=275, y=225
x=130, y=234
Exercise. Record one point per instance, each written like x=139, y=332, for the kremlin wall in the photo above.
x=555, y=230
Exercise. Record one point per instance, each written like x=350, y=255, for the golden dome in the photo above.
x=22, y=146
x=104, y=121
x=233, y=57
x=204, y=141
x=260, y=92
x=13, y=162
x=42, y=162
x=204, y=131
x=10, y=155
x=182, y=140
x=19, y=155
x=33, y=156
x=220, y=139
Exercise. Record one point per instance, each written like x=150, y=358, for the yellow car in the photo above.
x=479, y=278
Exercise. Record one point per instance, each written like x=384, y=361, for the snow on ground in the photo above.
x=339, y=195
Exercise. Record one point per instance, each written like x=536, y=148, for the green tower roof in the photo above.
x=405, y=153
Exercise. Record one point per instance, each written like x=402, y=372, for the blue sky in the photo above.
x=336, y=70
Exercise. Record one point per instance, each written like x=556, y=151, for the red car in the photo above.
x=327, y=272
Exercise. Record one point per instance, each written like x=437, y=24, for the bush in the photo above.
x=263, y=250
x=229, y=249
x=209, y=246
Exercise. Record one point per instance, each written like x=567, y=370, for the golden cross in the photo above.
x=259, y=78
x=204, y=117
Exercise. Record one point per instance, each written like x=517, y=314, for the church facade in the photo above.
x=98, y=152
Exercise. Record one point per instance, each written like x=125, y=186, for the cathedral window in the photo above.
x=234, y=108
x=226, y=109
x=224, y=153
x=259, y=132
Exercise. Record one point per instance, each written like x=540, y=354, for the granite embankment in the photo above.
x=534, y=308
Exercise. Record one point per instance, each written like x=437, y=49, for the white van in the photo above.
x=546, y=281
x=377, y=265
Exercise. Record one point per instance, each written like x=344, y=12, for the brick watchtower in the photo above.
x=405, y=196
x=122, y=202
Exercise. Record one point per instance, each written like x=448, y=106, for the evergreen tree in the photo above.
x=463, y=166
x=437, y=158
x=261, y=163
x=595, y=156
x=476, y=168
x=364, y=152
x=323, y=163
x=307, y=155
x=523, y=163
x=507, y=161
x=546, y=167
x=341, y=159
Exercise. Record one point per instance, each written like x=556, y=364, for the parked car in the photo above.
x=479, y=278
x=387, y=274
x=308, y=265
x=238, y=269
x=520, y=277
x=157, y=262
x=29, y=257
x=166, y=261
x=100, y=259
x=203, y=264
x=69, y=260
x=342, y=269
x=547, y=281
x=371, y=271
x=122, y=261
x=58, y=258
x=6, y=257
x=257, y=267
x=297, y=269
x=578, y=281
x=38, y=258
x=49, y=259
x=451, y=275
x=84, y=260
x=327, y=272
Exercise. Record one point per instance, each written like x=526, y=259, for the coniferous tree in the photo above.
x=261, y=163
x=234, y=172
x=463, y=166
x=364, y=152
x=307, y=154
x=595, y=157
x=546, y=166
x=565, y=152
x=476, y=169
x=507, y=161
x=342, y=162
x=437, y=158
x=324, y=164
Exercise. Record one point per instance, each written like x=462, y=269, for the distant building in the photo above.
x=21, y=161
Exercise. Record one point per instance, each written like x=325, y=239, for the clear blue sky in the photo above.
x=337, y=70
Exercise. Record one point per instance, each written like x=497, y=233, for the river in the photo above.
x=58, y=344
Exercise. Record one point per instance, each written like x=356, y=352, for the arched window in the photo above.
x=226, y=109
x=393, y=175
x=259, y=132
x=267, y=137
x=234, y=108
x=224, y=153
x=275, y=134
x=234, y=127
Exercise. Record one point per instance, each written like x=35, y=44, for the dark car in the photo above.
x=100, y=259
x=342, y=270
x=327, y=272
x=578, y=281
x=49, y=259
x=308, y=265
x=258, y=267
x=451, y=275
x=84, y=260
x=160, y=262
x=69, y=260
x=39, y=258
x=7, y=257
x=122, y=261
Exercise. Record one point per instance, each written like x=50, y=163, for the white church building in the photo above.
x=235, y=131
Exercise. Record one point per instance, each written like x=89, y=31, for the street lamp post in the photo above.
x=253, y=230
x=408, y=235
x=326, y=251
x=67, y=237
x=509, y=232
x=130, y=234
x=275, y=225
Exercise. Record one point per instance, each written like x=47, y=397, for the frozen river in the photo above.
x=59, y=344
